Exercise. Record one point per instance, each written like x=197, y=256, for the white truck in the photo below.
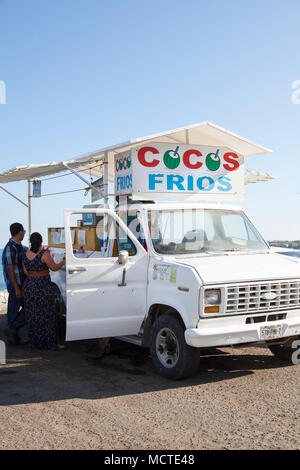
x=179, y=278
x=176, y=277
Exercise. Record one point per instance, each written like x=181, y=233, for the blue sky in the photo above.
x=84, y=74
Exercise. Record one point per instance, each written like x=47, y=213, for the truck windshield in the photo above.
x=189, y=231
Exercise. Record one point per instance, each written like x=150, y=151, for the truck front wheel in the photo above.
x=171, y=356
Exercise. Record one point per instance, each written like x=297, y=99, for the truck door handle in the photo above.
x=123, y=284
x=77, y=269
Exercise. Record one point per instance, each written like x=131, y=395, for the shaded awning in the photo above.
x=33, y=171
x=204, y=133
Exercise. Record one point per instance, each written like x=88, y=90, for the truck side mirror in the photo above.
x=123, y=257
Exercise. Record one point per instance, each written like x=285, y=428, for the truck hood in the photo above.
x=237, y=267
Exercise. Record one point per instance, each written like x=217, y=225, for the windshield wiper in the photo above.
x=235, y=249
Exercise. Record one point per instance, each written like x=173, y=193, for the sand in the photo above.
x=239, y=399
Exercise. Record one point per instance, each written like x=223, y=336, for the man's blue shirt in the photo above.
x=13, y=254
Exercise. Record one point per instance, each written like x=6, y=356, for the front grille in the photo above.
x=266, y=318
x=246, y=298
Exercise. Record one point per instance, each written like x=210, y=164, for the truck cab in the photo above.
x=179, y=278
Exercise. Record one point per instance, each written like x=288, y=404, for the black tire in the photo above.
x=282, y=351
x=171, y=356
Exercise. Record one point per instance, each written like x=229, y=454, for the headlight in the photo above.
x=212, y=297
x=212, y=300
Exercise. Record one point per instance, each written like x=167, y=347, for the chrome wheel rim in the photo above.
x=167, y=348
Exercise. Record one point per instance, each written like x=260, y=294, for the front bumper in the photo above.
x=234, y=330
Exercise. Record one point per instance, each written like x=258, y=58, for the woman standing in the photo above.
x=38, y=296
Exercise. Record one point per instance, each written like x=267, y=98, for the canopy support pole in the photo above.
x=76, y=173
x=29, y=208
x=105, y=179
x=15, y=197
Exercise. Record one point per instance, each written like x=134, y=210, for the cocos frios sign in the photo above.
x=164, y=171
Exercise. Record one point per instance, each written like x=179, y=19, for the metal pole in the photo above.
x=187, y=137
x=29, y=208
x=105, y=179
x=15, y=197
x=81, y=178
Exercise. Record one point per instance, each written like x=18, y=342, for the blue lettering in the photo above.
x=190, y=183
x=205, y=187
x=226, y=182
x=176, y=180
x=153, y=180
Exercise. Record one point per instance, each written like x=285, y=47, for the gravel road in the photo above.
x=240, y=399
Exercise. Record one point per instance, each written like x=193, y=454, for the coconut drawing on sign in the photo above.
x=213, y=161
x=172, y=158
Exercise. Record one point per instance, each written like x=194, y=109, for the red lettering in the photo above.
x=229, y=157
x=141, y=156
x=125, y=163
x=117, y=165
x=187, y=162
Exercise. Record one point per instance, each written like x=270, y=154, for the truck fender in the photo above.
x=154, y=312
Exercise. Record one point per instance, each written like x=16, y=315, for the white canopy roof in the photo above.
x=204, y=133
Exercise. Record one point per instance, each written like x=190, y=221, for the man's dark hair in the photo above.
x=15, y=229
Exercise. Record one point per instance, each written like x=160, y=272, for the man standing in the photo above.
x=14, y=276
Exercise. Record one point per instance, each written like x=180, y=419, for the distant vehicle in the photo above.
x=287, y=251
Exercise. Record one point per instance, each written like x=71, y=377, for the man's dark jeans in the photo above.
x=15, y=312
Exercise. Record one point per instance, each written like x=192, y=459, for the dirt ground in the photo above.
x=240, y=399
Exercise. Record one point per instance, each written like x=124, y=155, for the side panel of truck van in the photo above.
x=102, y=299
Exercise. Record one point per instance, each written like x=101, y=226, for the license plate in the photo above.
x=270, y=332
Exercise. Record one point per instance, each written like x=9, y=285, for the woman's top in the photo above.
x=36, y=265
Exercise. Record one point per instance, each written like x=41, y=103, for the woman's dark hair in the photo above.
x=35, y=240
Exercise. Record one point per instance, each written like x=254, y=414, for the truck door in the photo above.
x=104, y=298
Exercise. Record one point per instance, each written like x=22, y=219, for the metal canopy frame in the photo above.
x=204, y=133
x=103, y=194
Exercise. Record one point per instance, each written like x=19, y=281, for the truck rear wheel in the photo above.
x=171, y=356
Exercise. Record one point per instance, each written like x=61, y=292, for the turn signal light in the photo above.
x=214, y=309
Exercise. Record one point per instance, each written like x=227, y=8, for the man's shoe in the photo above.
x=12, y=338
